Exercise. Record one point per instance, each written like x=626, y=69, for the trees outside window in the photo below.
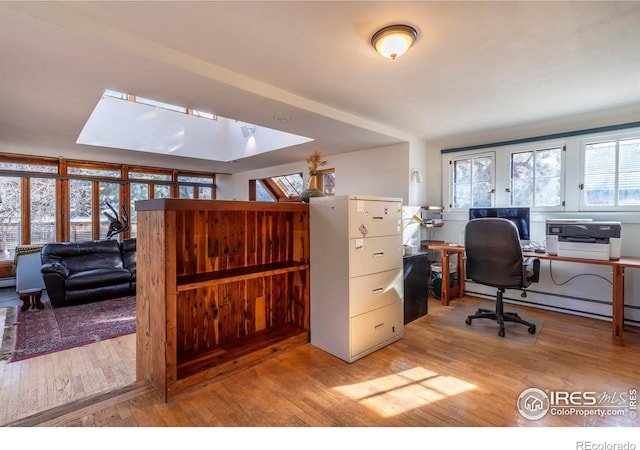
x=535, y=178
x=10, y=216
x=473, y=181
x=43, y=210
x=81, y=203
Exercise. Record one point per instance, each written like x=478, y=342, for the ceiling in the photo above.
x=476, y=67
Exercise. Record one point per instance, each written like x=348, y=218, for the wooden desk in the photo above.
x=617, y=267
x=446, y=251
x=617, y=296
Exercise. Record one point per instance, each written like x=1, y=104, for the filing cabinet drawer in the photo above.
x=373, y=255
x=374, y=291
x=371, y=218
x=376, y=328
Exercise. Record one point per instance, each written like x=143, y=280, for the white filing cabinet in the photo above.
x=356, y=274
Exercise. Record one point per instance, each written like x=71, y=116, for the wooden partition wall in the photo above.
x=221, y=285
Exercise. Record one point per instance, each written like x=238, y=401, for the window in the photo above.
x=10, y=216
x=159, y=104
x=612, y=174
x=328, y=182
x=139, y=191
x=472, y=181
x=81, y=202
x=161, y=191
x=262, y=195
x=55, y=200
x=43, y=210
x=90, y=172
x=283, y=188
x=109, y=198
x=536, y=178
x=195, y=186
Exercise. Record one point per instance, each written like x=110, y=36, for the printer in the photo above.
x=583, y=239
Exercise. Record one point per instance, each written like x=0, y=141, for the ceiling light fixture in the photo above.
x=394, y=40
x=248, y=130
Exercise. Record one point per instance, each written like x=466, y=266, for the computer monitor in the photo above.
x=519, y=216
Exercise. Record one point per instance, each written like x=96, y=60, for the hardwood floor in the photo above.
x=436, y=376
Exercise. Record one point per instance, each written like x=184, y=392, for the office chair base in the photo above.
x=501, y=319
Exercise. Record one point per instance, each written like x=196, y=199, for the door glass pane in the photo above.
x=43, y=210
x=80, y=202
x=10, y=217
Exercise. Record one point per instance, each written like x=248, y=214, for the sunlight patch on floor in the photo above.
x=401, y=392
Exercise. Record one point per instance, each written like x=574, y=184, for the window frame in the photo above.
x=537, y=147
x=272, y=186
x=470, y=156
x=63, y=178
x=594, y=139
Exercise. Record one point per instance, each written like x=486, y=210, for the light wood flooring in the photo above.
x=436, y=376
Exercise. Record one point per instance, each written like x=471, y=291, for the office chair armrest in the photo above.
x=532, y=269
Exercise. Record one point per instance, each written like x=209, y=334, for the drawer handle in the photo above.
x=378, y=290
x=378, y=254
x=379, y=325
x=377, y=218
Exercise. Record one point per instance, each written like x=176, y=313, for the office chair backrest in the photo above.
x=493, y=253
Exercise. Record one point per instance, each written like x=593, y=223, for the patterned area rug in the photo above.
x=41, y=331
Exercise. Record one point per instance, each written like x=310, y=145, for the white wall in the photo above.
x=383, y=171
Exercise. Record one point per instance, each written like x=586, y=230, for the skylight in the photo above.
x=130, y=122
x=158, y=104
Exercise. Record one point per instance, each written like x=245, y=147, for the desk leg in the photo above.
x=445, y=278
x=460, y=274
x=618, y=305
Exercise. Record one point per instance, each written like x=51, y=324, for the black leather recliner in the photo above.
x=494, y=258
x=88, y=271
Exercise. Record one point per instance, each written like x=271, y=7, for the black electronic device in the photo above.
x=518, y=215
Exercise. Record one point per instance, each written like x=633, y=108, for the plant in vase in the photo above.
x=315, y=162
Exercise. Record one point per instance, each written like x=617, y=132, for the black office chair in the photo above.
x=494, y=258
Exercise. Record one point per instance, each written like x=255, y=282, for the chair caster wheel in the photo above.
x=532, y=329
x=468, y=321
x=501, y=333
